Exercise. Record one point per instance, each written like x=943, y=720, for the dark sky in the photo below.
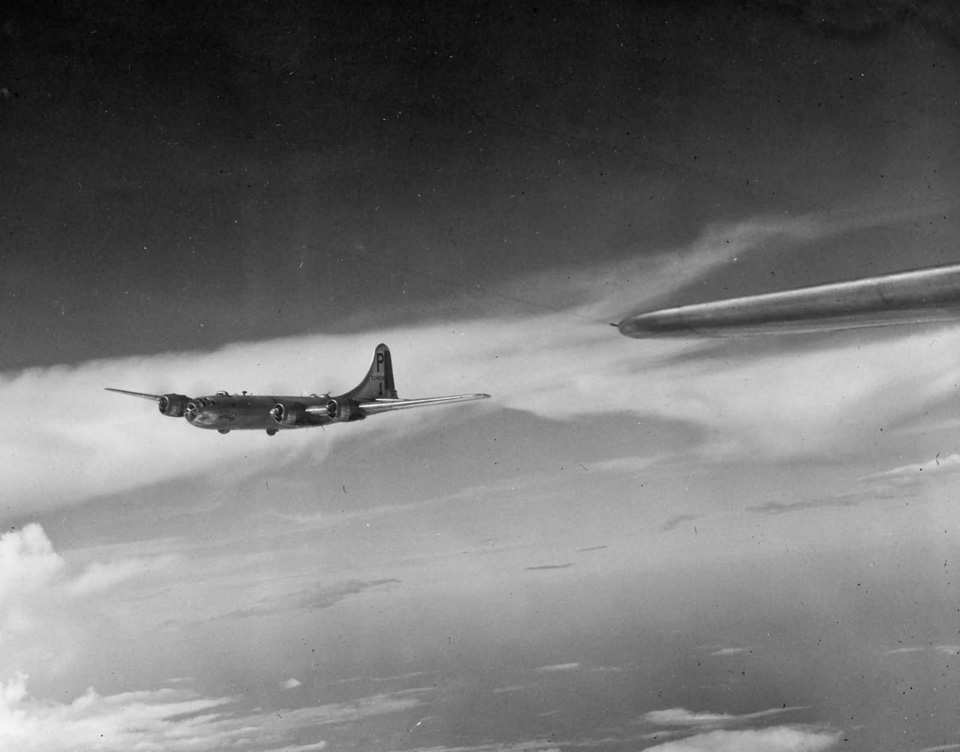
x=176, y=173
x=688, y=545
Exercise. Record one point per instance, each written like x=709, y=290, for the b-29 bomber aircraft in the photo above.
x=225, y=412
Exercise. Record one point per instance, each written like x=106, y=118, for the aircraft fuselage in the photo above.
x=236, y=412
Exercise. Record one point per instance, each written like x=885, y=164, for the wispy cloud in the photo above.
x=724, y=652
x=684, y=717
x=937, y=466
x=631, y=464
x=678, y=520
x=319, y=597
x=103, y=576
x=558, y=668
x=509, y=690
x=899, y=482
x=170, y=719
x=543, y=567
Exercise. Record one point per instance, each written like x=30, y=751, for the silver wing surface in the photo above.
x=915, y=297
x=383, y=405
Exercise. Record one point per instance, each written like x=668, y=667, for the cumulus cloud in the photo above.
x=27, y=561
x=773, y=739
x=170, y=719
x=46, y=609
x=66, y=439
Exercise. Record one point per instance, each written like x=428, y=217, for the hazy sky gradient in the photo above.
x=690, y=545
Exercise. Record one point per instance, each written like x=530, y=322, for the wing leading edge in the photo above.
x=915, y=297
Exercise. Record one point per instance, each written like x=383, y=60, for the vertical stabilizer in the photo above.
x=378, y=383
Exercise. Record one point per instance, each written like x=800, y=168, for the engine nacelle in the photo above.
x=173, y=405
x=342, y=412
x=290, y=414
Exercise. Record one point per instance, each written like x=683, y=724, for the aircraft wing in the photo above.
x=154, y=397
x=915, y=297
x=377, y=406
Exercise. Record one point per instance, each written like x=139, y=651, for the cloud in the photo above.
x=170, y=719
x=543, y=567
x=678, y=520
x=322, y=596
x=46, y=609
x=98, y=577
x=27, y=561
x=558, y=668
x=937, y=466
x=628, y=464
x=684, y=717
x=723, y=652
x=533, y=745
x=899, y=482
x=66, y=440
x=773, y=739
x=510, y=689
x=291, y=683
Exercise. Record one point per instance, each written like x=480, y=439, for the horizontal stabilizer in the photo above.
x=376, y=406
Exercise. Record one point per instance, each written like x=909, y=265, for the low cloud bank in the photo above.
x=169, y=719
x=773, y=739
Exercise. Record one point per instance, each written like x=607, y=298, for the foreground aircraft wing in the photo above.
x=915, y=297
x=376, y=406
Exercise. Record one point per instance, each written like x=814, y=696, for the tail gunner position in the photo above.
x=247, y=412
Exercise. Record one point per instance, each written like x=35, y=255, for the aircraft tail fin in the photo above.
x=378, y=383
